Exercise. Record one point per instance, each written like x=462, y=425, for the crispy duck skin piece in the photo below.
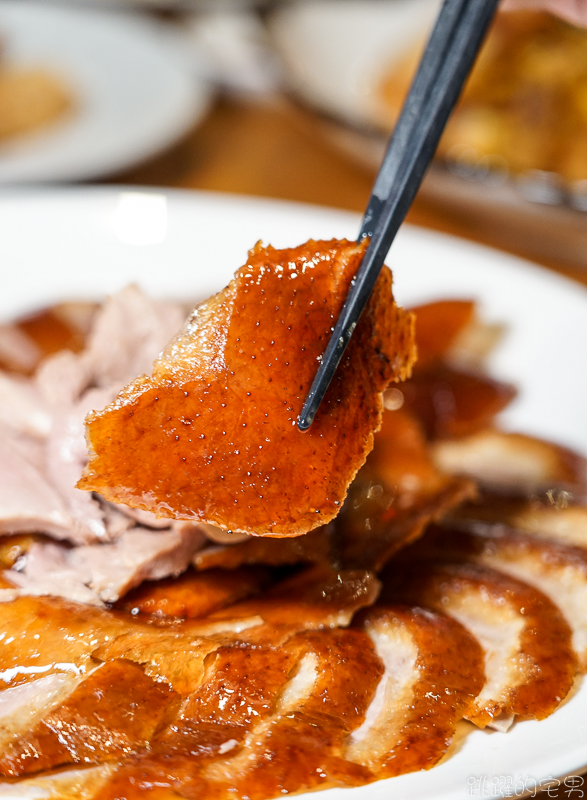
x=318, y=597
x=320, y=713
x=102, y=719
x=267, y=723
x=511, y=463
x=438, y=325
x=453, y=402
x=529, y=659
x=300, y=747
x=314, y=547
x=434, y=670
x=554, y=516
x=557, y=570
x=194, y=595
x=395, y=495
x=47, y=636
x=212, y=436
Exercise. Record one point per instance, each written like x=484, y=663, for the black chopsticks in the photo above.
x=449, y=55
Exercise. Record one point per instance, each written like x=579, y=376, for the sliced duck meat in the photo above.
x=46, y=570
x=221, y=407
x=127, y=334
x=137, y=555
x=99, y=573
x=101, y=719
x=22, y=407
x=28, y=502
x=18, y=352
x=530, y=663
x=560, y=571
x=66, y=457
x=193, y=595
x=557, y=570
x=299, y=747
x=554, y=516
x=433, y=672
x=62, y=379
x=265, y=721
x=511, y=462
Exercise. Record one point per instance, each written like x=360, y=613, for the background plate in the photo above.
x=133, y=96
x=78, y=243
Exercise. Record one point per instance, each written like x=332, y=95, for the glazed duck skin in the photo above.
x=212, y=435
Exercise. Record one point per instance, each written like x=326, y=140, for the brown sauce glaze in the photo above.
x=212, y=436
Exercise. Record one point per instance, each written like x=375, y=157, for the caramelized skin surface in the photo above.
x=314, y=547
x=319, y=597
x=424, y=700
x=212, y=436
x=285, y=737
x=438, y=325
x=530, y=662
x=263, y=713
x=394, y=496
x=104, y=718
x=194, y=595
x=452, y=402
x=553, y=516
x=512, y=463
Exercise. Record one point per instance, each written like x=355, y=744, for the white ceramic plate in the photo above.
x=133, y=95
x=83, y=243
x=336, y=52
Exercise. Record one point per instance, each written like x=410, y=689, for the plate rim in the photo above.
x=190, y=107
x=566, y=762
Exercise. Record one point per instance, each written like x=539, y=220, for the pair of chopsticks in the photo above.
x=449, y=55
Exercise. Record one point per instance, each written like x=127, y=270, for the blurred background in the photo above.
x=295, y=101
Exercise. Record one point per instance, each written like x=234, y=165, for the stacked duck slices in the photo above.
x=453, y=585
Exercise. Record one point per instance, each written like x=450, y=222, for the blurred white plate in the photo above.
x=335, y=55
x=337, y=52
x=83, y=243
x=133, y=95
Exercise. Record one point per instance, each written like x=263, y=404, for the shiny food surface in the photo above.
x=212, y=436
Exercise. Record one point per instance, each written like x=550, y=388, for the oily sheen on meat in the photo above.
x=212, y=435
